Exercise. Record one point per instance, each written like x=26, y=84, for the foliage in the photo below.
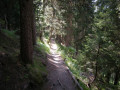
x=99, y=48
x=37, y=71
x=41, y=47
x=9, y=42
x=11, y=34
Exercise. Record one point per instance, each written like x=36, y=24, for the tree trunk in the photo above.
x=69, y=31
x=0, y=27
x=58, y=38
x=33, y=27
x=69, y=36
x=77, y=49
x=96, y=71
x=6, y=22
x=26, y=25
x=116, y=77
x=96, y=67
x=108, y=77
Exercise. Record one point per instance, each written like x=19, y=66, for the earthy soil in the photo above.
x=58, y=76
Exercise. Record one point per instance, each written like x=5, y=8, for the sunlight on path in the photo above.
x=58, y=75
x=53, y=47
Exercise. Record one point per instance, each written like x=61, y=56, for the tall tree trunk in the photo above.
x=58, y=38
x=96, y=70
x=0, y=27
x=33, y=27
x=69, y=36
x=108, y=77
x=76, y=47
x=116, y=77
x=6, y=22
x=26, y=25
x=96, y=67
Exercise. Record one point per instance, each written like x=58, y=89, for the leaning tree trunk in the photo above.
x=26, y=30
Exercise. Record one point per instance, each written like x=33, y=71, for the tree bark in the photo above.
x=116, y=77
x=69, y=36
x=6, y=22
x=26, y=25
x=33, y=27
x=108, y=77
x=96, y=67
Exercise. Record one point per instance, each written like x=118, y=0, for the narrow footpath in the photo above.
x=58, y=76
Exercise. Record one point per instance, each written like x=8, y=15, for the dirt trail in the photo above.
x=58, y=75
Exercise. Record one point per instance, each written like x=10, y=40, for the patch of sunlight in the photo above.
x=57, y=59
x=53, y=61
x=60, y=53
x=90, y=70
x=88, y=63
x=53, y=47
x=69, y=63
x=45, y=42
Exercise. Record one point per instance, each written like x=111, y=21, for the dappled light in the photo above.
x=59, y=44
x=53, y=47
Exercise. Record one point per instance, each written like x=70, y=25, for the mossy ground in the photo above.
x=13, y=74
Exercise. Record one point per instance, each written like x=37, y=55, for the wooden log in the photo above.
x=76, y=82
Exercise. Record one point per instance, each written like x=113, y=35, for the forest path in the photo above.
x=58, y=76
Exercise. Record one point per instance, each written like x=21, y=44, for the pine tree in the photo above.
x=26, y=24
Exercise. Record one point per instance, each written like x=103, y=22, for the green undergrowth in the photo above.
x=37, y=71
x=68, y=53
x=109, y=86
x=9, y=43
x=42, y=47
x=13, y=72
x=11, y=34
x=74, y=64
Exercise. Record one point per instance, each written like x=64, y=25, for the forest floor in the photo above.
x=13, y=74
x=58, y=76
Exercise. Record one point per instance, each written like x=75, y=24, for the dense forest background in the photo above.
x=87, y=33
